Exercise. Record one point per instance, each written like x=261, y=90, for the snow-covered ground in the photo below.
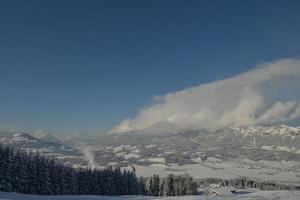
x=263, y=170
x=278, y=195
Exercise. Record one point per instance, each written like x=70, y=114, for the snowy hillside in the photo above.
x=43, y=145
x=267, y=153
x=278, y=195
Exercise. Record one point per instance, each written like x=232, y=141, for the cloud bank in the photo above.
x=269, y=94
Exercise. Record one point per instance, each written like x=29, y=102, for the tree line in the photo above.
x=29, y=173
x=246, y=182
x=168, y=186
x=34, y=174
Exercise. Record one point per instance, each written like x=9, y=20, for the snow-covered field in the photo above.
x=278, y=195
x=282, y=172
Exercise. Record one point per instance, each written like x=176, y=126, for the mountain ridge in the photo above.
x=271, y=150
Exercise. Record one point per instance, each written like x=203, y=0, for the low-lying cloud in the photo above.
x=269, y=94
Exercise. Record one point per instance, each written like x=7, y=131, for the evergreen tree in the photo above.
x=7, y=182
x=142, y=186
x=170, y=191
x=162, y=188
x=156, y=185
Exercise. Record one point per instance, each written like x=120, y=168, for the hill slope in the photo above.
x=27, y=142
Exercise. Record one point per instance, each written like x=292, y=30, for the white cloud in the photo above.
x=266, y=95
x=40, y=134
x=280, y=112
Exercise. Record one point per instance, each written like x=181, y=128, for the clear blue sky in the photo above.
x=84, y=66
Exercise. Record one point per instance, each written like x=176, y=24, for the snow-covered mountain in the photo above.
x=281, y=130
x=43, y=145
x=261, y=152
x=273, y=143
x=253, y=142
x=268, y=152
x=46, y=137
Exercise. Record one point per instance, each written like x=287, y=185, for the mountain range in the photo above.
x=271, y=152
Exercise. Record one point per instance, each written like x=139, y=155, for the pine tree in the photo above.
x=162, y=188
x=170, y=191
x=7, y=180
x=142, y=186
x=2, y=168
x=20, y=172
x=156, y=185
x=32, y=172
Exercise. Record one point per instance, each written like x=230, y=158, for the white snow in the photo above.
x=64, y=148
x=169, y=152
x=284, y=172
x=158, y=160
x=150, y=146
x=136, y=151
x=261, y=195
x=66, y=157
x=118, y=148
x=278, y=148
x=17, y=134
x=112, y=163
x=123, y=147
x=158, y=165
x=131, y=155
x=134, y=147
x=20, y=138
x=120, y=154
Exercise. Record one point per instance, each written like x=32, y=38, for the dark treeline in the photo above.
x=34, y=174
x=169, y=186
x=245, y=182
x=28, y=173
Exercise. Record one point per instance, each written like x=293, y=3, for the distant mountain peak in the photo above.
x=274, y=130
x=46, y=137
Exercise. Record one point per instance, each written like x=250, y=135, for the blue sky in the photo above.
x=84, y=66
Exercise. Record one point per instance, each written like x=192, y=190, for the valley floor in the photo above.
x=261, y=195
x=280, y=172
